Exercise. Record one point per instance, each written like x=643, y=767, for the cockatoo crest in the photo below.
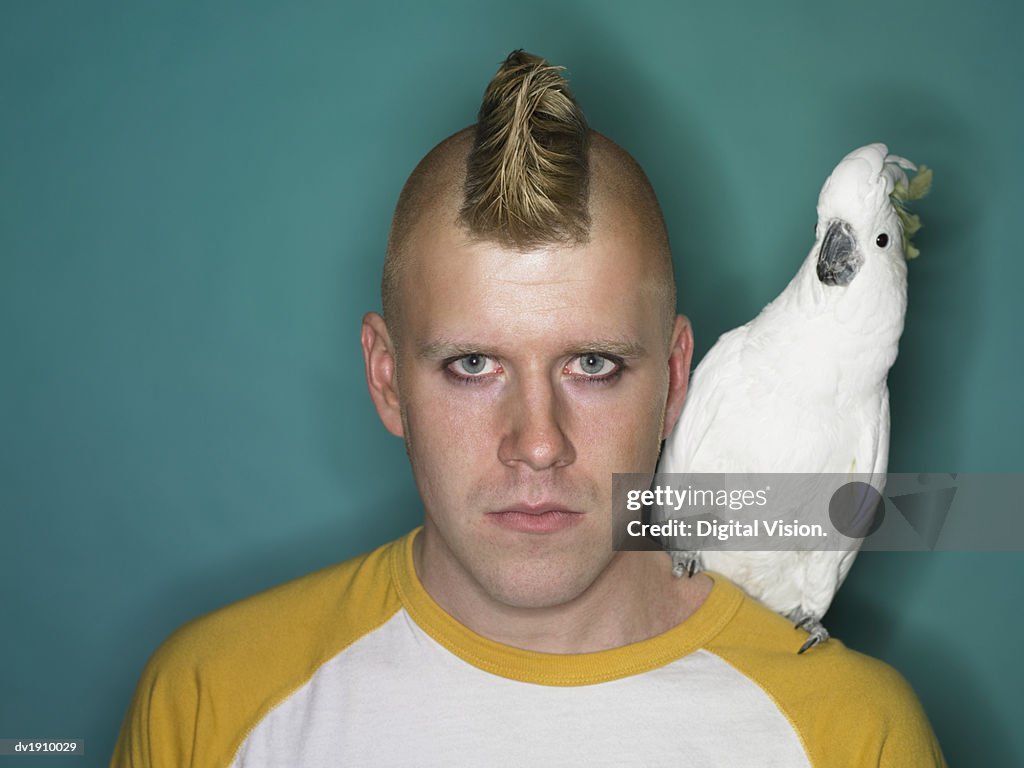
x=869, y=185
x=903, y=193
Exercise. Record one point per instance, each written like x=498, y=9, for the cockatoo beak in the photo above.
x=838, y=259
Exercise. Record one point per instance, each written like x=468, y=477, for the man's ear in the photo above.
x=379, y=358
x=680, y=356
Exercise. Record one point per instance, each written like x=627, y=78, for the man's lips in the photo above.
x=536, y=518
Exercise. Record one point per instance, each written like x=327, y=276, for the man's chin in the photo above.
x=546, y=586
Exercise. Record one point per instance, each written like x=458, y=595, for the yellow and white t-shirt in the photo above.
x=355, y=665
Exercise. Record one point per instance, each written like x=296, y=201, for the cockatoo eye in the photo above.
x=882, y=240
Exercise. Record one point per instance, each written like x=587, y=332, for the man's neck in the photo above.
x=635, y=598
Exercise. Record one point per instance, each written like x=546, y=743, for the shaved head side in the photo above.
x=529, y=174
x=431, y=197
x=622, y=195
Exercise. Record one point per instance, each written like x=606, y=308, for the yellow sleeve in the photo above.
x=215, y=678
x=910, y=740
x=159, y=728
x=848, y=709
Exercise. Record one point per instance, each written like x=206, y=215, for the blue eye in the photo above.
x=473, y=364
x=474, y=367
x=592, y=364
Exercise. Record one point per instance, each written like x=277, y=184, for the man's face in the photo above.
x=525, y=381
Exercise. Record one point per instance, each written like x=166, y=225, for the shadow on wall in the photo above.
x=970, y=726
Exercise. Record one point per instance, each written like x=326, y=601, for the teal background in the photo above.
x=194, y=201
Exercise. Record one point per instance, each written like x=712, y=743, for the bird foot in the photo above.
x=685, y=562
x=810, y=624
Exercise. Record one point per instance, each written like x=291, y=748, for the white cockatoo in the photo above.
x=801, y=388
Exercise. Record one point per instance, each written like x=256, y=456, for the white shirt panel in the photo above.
x=397, y=698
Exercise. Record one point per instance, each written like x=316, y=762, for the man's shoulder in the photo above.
x=233, y=665
x=838, y=699
x=336, y=602
x=759, y=638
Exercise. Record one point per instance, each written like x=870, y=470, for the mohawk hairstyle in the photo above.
x=527, y=174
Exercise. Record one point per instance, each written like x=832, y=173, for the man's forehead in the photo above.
x=447, y=262
x=479, y=297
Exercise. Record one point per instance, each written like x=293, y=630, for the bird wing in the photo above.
x=824, y=572
x=711, y=397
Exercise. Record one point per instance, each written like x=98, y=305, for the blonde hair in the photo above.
x=527, y=172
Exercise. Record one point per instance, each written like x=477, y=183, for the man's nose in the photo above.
x=535, y=430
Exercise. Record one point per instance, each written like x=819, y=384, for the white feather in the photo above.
x=802, y=387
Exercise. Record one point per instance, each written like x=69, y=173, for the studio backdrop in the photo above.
x=194, y=204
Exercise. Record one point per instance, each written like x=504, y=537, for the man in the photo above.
x=528, y=350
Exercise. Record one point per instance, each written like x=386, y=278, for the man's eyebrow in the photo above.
x=625, y=348
x=445, y=348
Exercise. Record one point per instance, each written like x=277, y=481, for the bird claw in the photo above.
x=684, y=562
x=818, y=633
